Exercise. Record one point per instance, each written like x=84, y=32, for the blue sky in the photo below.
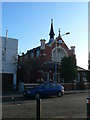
x=29, y=22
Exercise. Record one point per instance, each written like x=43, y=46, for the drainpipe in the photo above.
x=6, y=38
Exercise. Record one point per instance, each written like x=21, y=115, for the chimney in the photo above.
x=73, y=49
x=42, y=44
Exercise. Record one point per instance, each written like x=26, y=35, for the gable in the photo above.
x=80, y=69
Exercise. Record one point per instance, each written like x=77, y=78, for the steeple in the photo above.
x=51, y=30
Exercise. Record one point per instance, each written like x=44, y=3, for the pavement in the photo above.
x=16, y=95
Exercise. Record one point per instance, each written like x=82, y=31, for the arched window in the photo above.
x=58, y=54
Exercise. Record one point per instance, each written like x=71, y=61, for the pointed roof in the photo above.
x=51, y=30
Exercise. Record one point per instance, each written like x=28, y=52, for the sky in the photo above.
x=30, y=21
x=89, y=29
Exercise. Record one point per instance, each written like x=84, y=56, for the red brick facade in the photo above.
x=48, y=50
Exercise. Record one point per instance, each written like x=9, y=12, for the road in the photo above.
x=68, y=106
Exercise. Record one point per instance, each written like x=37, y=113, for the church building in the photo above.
x=51, y=54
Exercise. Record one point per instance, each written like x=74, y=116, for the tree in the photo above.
x=68, y=69
x=28, y=69
x=35, y=66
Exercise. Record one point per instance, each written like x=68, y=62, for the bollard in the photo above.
x=38, y=109
x=88, y=108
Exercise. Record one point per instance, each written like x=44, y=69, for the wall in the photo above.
x=9, y=56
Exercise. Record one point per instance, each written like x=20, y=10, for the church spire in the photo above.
x=51, y=30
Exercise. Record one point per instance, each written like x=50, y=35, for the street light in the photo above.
x=60, y=42
x=67, y=33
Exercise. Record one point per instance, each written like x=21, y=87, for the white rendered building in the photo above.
x=8, y=62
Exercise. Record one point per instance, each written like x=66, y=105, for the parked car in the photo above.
x=45, y=89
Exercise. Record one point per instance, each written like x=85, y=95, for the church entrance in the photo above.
x=45, y=76
x=56, y=77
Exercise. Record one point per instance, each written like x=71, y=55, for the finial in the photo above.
x=59, y=32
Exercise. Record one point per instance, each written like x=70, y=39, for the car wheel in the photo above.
x=37, y=96
x=59, y=94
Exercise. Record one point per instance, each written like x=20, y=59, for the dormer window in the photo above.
x=38, y=53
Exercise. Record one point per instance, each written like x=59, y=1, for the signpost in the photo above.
x=38, y=106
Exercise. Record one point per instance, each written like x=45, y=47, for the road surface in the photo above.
x=68, y=106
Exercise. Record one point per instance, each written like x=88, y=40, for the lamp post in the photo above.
x=67, y=33
x=60, y=42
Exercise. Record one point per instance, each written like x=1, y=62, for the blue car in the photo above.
x=45, y=89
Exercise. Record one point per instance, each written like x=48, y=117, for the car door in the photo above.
x=46, y=89
x=53, y=89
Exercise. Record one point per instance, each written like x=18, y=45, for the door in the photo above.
x=7, y=81
x=53, y=89
x=46, y=76
x=46, y=90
